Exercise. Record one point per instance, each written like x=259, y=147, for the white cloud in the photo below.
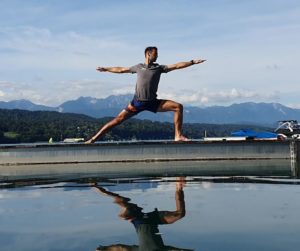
x=294, y=105
x=59, y=92
x=128, y=89
x=207, y=97
x=6, y=84
x=56, y=93
x=90, y=87
x=12, y=91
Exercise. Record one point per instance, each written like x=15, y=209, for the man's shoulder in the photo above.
x=157, y=66
x=138, y=66
x=164, y=68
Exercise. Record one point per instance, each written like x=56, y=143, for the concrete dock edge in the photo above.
x=151, y=158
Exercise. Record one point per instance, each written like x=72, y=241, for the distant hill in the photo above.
x=23, y=104
x=243, y=113
x=97, y=108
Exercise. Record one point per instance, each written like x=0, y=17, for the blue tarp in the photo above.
x=253, y=134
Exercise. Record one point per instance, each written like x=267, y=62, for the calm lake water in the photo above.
x=191, y=213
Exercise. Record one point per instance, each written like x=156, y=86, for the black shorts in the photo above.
x=136, y=106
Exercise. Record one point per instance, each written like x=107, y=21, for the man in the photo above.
x=145, y=98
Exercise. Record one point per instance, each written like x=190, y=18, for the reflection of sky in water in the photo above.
x=219, y=216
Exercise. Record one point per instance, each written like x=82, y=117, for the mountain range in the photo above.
x=266, y=114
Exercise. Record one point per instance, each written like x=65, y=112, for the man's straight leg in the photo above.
x=124, y=115
x=177, y=108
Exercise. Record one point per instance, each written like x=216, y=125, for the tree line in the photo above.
x=20, y=126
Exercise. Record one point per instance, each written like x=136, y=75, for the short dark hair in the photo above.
x=150, y=49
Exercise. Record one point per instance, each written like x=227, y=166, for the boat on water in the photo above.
x=290, y=128
x=251, y=134
x=287, y=129
x=246, y=134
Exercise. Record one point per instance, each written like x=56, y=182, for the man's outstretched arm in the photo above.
x=114, y=69
x=184, y=64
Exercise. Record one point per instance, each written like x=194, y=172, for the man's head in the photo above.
x=151, y=53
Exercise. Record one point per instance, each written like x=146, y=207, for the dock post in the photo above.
x=295, y=158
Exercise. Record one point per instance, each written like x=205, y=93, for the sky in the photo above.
x=49, y=50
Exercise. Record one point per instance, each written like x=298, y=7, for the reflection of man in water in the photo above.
x=146, y=224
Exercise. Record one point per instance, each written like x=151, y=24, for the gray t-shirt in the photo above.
x=147, y=80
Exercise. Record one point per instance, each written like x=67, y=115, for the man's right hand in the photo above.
x=198, y=61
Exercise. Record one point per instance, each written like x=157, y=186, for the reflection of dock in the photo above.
x=151, y=158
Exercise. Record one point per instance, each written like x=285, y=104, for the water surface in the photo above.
x=191, y=213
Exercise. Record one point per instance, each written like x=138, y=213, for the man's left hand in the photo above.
x=198, y=61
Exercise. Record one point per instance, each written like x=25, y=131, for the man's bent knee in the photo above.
x=169, y=105
x=179, y=107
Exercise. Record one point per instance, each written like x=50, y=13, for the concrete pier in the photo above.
x=150, y=158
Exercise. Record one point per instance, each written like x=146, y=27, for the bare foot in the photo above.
x=90, y=141
x=182, y=138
